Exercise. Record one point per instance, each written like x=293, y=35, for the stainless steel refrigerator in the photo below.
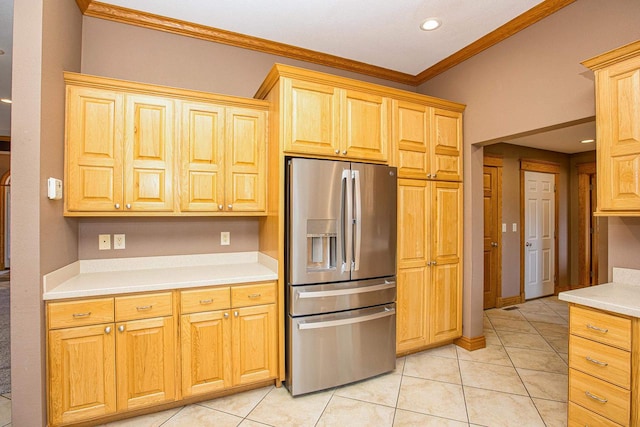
x=341, y=264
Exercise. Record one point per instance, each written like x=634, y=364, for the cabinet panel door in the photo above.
x=365, y=127
x=618, y=92
x=311, y=117
x=254, y=344
x=245, y=148
x=206, y=352
x=413, y=223
x=411, y=307
x=149, y=144
x=93, y=149
x=82, y=381
x=202, y=157
x=145, y=362
x=446, y=145
x=411, y=139
x=446, y=259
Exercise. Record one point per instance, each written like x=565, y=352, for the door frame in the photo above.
x=5, y=181
x=496, y=161
x=587, y=253
x=532, y=165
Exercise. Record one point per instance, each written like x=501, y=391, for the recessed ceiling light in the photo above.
x=6, y=100
x=430, y=24
x=587, y=141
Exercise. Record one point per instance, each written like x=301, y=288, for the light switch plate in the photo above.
x=504, y=227
x=514, y=227
x=225, y=238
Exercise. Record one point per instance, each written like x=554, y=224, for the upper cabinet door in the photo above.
x=446, y=145
x=93, y=149
x=202, y=157
x=149, y=143
x=618, y=133
x=245, y=150
x=411, y=139
x=311, y=117
x=365, y=126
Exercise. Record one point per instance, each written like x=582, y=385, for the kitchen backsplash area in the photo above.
x=166, y=236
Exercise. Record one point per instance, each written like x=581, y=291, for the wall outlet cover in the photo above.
x=225, y=238
x=104, y=242
x=118, y=241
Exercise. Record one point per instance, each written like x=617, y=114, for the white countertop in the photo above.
x=621, y=296
x=86, y=278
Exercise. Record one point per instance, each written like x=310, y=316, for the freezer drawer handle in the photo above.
x=342, y=292
x=333, y=323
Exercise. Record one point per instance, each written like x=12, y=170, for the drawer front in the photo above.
x=80, y=313
x=599, y=396
x=580, y=417
x=210, y=299
x=605, y=362
x=600, y=326
x=143, y=306
x=256, y=294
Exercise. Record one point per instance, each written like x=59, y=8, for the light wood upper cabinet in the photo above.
x=94, y=155
x=617, y=76
x=324, y=120
x=223, y=159
x=427, y=141
x=429, y=302
x=137, y=149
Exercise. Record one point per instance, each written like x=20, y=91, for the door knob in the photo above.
x=527, y=244
x=494, y=244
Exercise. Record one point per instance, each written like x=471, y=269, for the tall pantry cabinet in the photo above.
x=428, y=153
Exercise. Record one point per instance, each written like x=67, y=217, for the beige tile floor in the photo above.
x=519, y=379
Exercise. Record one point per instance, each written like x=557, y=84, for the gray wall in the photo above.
x=47, y=36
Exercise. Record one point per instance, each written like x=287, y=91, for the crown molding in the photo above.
x=162, y=23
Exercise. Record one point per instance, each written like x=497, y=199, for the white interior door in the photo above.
x=539, y=234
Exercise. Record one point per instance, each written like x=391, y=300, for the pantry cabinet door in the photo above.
x=93, y=146
x=148, y=160
x=446, y=145
x=201, y=157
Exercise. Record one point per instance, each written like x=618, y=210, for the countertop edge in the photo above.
x=614, y=303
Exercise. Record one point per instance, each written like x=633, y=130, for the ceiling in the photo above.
x=380, y=33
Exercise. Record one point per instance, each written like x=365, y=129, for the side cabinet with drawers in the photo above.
x=111, y=355
x=603, y=368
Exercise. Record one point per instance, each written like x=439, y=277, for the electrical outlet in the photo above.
x=225, y=238
x=104, y=241
x=118, y=241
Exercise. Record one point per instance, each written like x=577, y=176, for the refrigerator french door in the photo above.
x=341, y=287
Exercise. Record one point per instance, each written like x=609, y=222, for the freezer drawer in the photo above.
x=328, y=350
x=332, y=297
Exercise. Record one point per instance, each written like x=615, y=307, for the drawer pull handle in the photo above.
x=594, y=397
x=595, y=328
x=254, y=296
x=78, y=315
x=144, y=307
x=597, y=362
x=206, y=301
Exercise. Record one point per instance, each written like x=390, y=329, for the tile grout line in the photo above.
x=464, y=395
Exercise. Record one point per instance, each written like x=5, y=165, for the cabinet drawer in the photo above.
x=580, y=417
x=80, y=313
x=209, y=299
x=143, y=306
x=599, y=396
x=256, y=294
x=600, y=326
x=605, y=362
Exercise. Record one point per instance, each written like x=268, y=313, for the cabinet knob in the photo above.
x=128, y=205
x=107, y=330
x=337, y=151
x=428, y=175
x=434, y=262
x=220, y=207
x=117, y=205
x=226, y=315
x=344, y=152
x=229, y=207
x=435, y=175
x=235, y=313
x=121, y=328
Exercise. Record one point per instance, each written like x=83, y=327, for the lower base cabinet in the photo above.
x=112, y=355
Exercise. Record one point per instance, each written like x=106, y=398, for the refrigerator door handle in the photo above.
x=346, y=213
x=333, y=323
x=349, y=291
x=357, y=233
